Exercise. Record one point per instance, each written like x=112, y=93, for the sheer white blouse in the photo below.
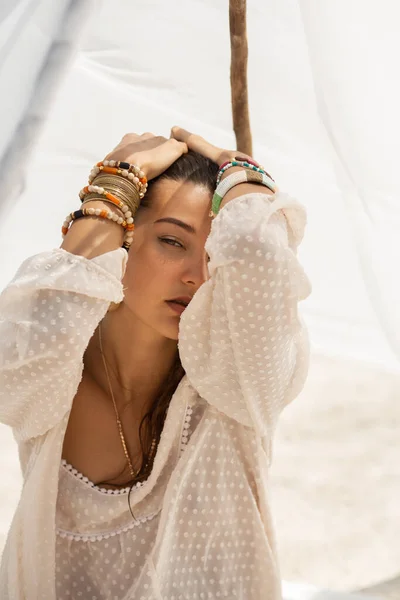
x=202, y=525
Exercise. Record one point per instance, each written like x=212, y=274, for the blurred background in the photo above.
x=76, y=75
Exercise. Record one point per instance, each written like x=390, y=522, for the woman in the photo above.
x=144, y=391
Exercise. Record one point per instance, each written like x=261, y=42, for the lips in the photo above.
x=183, y=300
x=177, y=307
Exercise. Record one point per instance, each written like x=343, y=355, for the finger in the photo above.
x=145, y=136
x=157, y=160
x=196, y=143
x=126, y=139
x=134, y=144
x=241, y=156
x=130, y=137
x=152, y=142
x=180, y=134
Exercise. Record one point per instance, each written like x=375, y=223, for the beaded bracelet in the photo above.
x=123, y=169
x=119, y=188
x=241, y=160
x=235, y=179
x=95, y=189
x=93, y=198
x=142, y=188
x=247, y=164
x=103, y=214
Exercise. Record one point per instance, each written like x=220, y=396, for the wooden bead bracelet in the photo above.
x=103, y=214
x=114, y=167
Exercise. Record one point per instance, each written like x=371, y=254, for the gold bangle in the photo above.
x=122, y=192
x=119, y=182
x=96, y=196
x=127, y=198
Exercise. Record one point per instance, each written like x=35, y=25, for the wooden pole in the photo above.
x=239, y=91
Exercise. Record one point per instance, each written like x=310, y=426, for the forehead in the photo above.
x=187, y=201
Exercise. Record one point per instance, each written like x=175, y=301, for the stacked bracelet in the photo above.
x=123, y=189
x=247, y=164
x=236, y=178
x=123, y=169
x=126, y=213
x=97, y=190
x=123, y=185
x=126, y=224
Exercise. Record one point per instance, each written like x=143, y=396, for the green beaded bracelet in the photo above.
x=236, y=163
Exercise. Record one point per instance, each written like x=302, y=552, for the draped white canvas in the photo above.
x=324, y=125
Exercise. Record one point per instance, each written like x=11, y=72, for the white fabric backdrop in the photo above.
x=27, y=30
x=324, y=99
x=146, y=67
x=354, y=48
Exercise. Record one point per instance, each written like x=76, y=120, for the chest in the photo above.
x=92, y=443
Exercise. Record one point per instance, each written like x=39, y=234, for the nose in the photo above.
x=196, y=272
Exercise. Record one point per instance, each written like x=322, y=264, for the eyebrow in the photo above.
x=174, y=221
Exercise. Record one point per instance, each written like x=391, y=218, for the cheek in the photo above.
x=149, y=278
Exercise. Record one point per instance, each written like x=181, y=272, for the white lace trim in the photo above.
x=186, y=431
x=98, y=537
x=184, y=440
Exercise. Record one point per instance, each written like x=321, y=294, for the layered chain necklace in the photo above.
x=119, y=424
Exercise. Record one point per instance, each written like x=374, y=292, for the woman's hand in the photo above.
x=93, y=237
x=217, y=155
x=153, y=154
x=220, y=156
x=200, y=145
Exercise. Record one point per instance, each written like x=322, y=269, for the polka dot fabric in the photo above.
x=203, y=526
x=47, y=316
x=100, y=549
x=242, y=342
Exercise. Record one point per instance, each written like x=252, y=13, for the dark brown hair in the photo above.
x=195, y=168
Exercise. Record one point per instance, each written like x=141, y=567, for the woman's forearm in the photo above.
x=242, y=188
x=92, y=236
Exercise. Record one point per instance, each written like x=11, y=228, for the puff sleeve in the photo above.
x=48, y=313
x=242, y=342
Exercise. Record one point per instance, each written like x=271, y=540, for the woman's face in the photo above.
x=167, y=260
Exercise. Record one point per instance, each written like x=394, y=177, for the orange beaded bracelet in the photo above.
x=95, y=189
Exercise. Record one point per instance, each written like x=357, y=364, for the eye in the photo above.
x=171, y=242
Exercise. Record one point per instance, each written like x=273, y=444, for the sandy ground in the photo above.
x=335, y=479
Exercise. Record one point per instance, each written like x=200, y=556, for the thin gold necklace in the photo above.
x=121, y=433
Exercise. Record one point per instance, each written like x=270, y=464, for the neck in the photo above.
x=138, y=358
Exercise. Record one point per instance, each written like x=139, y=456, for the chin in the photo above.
x=172, y=334
x=167, y=328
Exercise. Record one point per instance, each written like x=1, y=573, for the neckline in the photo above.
x=78, y=475
x=123, y=491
